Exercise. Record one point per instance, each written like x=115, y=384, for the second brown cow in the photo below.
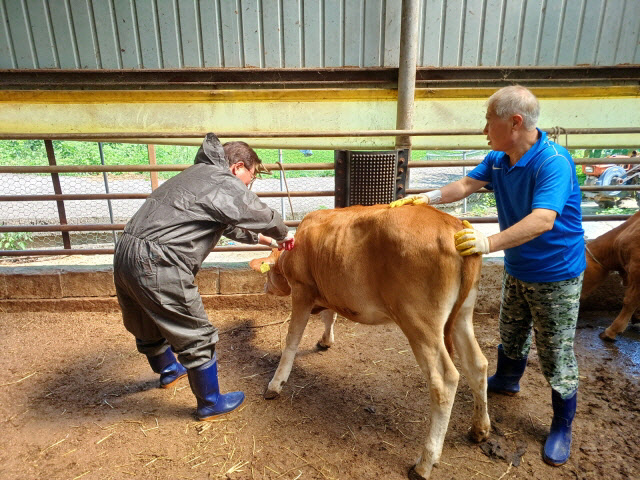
x=377, y=265
x=616, y=251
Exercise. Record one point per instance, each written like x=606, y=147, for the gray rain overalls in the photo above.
x=165, y=243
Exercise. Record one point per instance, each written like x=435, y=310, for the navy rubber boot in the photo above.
x=508, y=373
x=168, y=367
x=557, y=448
x=204, y=385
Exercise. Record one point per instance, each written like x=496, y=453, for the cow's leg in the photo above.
x=631, y=304
x=474, y=367
x=300, y=311
x=329, y=318
x=434, y=360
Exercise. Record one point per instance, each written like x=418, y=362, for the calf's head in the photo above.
x=276, y=283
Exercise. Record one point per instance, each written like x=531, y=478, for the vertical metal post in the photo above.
x=55, y=179
x=152, y=161
x=106, y=190
x=409, y=30
x=282, y=211
x=464, y=174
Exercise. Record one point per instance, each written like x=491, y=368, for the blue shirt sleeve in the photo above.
x=554, y=184
x=483, y=171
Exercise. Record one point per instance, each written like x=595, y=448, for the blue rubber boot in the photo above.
x=168, y=367
x=557, y=448
x=204, y=385
x=508, y=373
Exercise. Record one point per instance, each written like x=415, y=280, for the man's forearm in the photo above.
x=460, y=189
x=452, y=192
x=530, y=227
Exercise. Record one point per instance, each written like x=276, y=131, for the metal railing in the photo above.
x=64, y=228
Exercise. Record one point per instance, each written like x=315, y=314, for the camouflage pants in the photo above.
x=552, y=309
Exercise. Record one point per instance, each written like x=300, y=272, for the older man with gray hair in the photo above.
x=538, y=200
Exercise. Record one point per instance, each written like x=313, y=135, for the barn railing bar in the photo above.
x=275, y=194
x=145, y=168
x=273, y=167
x=101, y=136
x=289, y=223
x=96, y=227
x=109, y=251
x=57, y=188
x=142, y=196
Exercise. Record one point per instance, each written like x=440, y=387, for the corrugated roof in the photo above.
x=170, y=34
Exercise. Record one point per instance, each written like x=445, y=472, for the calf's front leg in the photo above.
x=300, y=311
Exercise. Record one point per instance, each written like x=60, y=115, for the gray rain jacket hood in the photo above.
x=187, y=214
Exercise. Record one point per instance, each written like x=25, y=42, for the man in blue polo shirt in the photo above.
x=538, y=201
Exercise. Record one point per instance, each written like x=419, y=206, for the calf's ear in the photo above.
x=256, y=264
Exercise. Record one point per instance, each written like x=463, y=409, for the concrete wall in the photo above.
x=91, y=288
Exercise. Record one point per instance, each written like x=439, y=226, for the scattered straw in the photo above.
x=383, y=441
x=18, y=381
x=507, y=471
x=238, y=467
x=480, y=473
x=103, y=439
x=307, y=463
x=53, y=445
x=256, y=374
x=81, y=475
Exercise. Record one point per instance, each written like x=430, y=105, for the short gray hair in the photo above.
x=516, y=100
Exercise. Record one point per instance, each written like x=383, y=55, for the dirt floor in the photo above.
x=78, y=401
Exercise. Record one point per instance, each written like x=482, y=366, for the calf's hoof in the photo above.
x=478, y=435
x=604, y=336
x=270, y=394
x=413, y=475
x=322, y=346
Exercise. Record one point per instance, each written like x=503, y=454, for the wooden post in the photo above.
x=152, y=161
x=55, y=179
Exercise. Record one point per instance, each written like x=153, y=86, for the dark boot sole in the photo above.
x=211, y=417
x=503, y=392
x=169, y=385
x=548, y=461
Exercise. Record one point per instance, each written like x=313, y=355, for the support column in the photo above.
x=409, y=29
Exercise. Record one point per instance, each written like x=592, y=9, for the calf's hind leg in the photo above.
x=443, y=378
x=474, y=367
x=329, y=318
x=631, y=303
x=300, y=311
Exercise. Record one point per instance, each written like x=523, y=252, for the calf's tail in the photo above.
x=470, y=272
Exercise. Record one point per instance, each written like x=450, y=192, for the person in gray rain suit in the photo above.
x=162, y=249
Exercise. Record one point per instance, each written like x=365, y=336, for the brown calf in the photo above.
x=617, y=250
x=376, y=265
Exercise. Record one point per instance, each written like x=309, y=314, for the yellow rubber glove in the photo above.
x=410, y=200
x=470, y=241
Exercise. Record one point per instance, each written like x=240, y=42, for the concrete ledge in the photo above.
x=110, y=304
x=92, y=289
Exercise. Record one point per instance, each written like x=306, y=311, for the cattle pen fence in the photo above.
x=67, y=192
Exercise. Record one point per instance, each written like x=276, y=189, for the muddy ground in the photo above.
x=78, y=401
